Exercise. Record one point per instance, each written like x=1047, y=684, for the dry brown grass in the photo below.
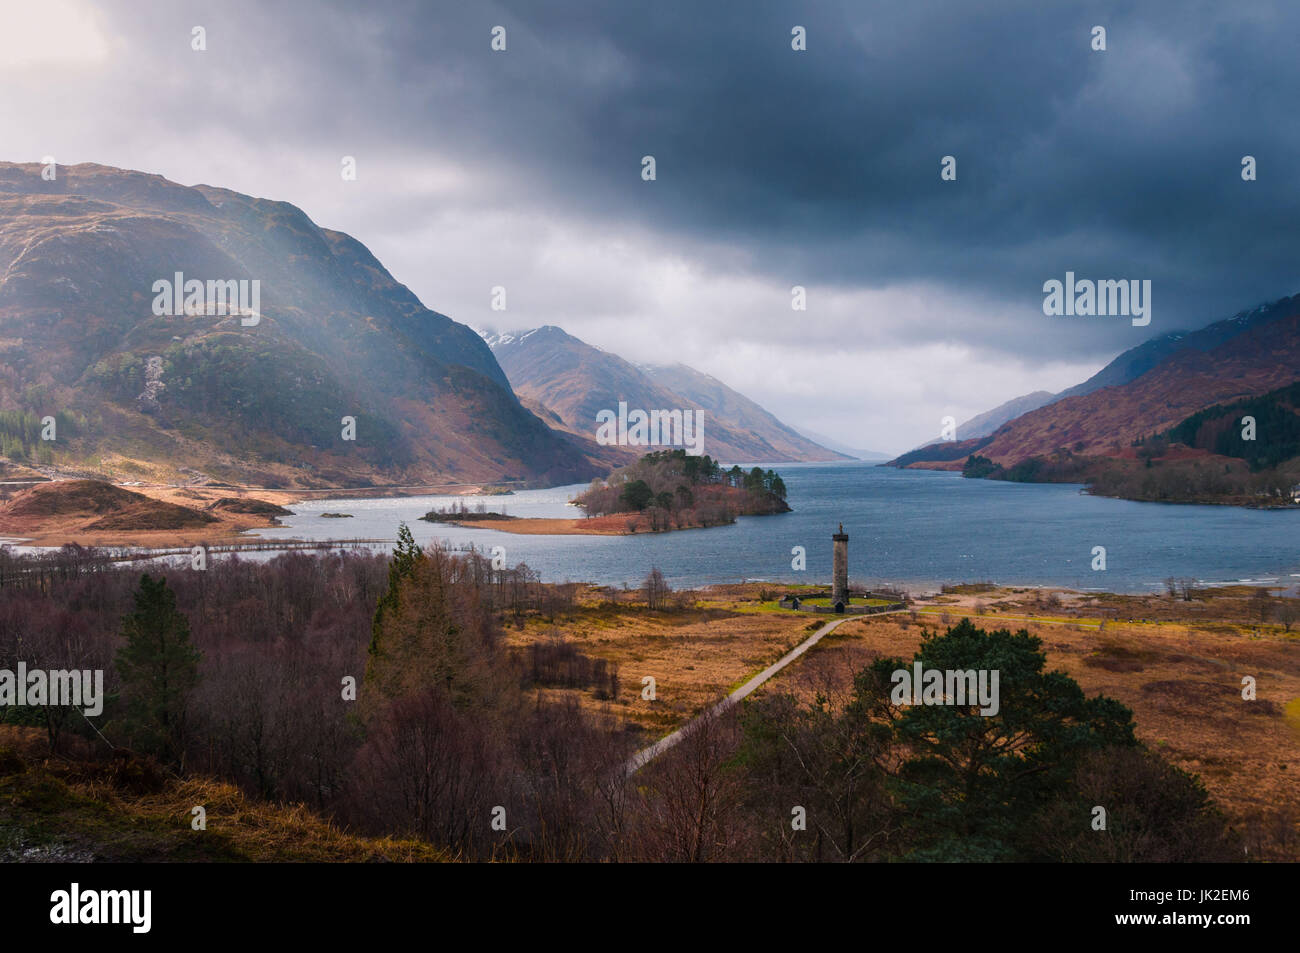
x=1177, y=665
x=695, y=655
x=266, y=832
x=83, y=810
x=1182, y=682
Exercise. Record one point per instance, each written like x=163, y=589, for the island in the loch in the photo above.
x=662, y=491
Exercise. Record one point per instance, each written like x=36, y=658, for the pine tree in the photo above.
x=159, y=668
x=400, y=567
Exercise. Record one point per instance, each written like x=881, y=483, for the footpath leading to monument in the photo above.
x=646, y=755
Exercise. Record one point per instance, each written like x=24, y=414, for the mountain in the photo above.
x=1127, y=367
x=1274, y=437
x=981, y=425
x=249, y=398
x=558, y=375
x=575, y=380
x=1136, y=361
x=1248, y=355
x=738, y=411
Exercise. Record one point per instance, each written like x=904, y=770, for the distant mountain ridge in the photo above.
x=981, y=425
x=338, y=337
x=1136, y=361
x=1245, y=356
x=737, y=410
x=575, y=380
x=1144, y=391
x=1128, y=366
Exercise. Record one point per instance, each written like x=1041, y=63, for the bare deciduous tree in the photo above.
x=657, y=590
x=690, y=814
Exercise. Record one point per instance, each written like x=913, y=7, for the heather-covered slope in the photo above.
x=337, y=336
x=1171, y=378
x=1136, y=361
x=981, y=425
x=1105, y=422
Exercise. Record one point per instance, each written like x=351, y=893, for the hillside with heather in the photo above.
x=1108, y=420
x=258, y=399
x=1157, y=419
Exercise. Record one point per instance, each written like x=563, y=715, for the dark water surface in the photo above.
x=909, y=527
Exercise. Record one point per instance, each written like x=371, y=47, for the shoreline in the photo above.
x=937, y=592
x=61, y=529
x=50, y=532
x=1089, y=488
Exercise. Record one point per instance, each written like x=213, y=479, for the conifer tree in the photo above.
x=406, y=554
x=159, y=668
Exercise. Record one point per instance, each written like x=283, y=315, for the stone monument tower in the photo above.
x=840, y=579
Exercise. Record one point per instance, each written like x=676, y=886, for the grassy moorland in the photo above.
x=1176, y=663
x=408, y=698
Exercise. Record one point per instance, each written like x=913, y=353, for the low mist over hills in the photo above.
x=257, y=399
x=574, y=381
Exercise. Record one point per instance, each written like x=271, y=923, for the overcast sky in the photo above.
x=775, y=168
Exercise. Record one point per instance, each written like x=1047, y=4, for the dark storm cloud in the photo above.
x=824, y=165
x=822, y=168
